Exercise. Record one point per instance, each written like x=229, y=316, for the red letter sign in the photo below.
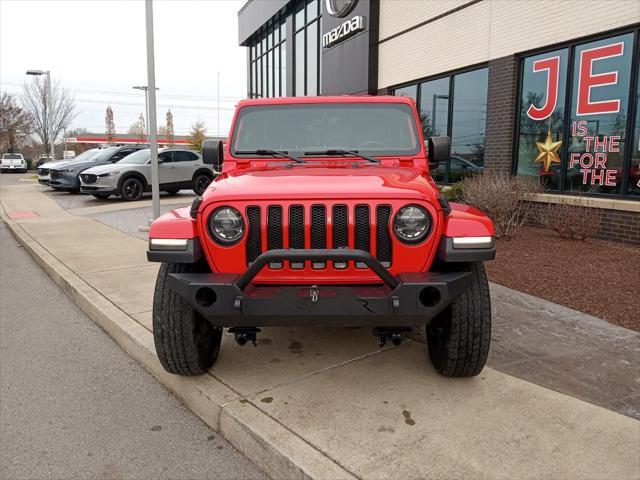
x=588, y=80
x=552, y=65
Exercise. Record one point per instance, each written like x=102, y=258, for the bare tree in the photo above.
x=110, y=126
x=170, y=132
x=139, y=128
x=48, y=123
x=15, y=123
x=197, y=135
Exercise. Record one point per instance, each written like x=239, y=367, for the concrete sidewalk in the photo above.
x=327, y=403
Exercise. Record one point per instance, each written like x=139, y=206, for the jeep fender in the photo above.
x=175, y=225
x=462, y=222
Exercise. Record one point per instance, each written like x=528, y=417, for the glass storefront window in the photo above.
x=276, y=72
x=541, y=126
x=283, y=69
x=299, y=64
x=468, y=124
x=598, y=119
x=411, y=91
x=312, y=59
x=634, y=169
x=267, y=76
x=312, y=9
x=434, y=107
x=299, y=16
x=468, y=118
x=582, y=148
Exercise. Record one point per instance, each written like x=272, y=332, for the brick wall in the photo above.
x=620, y=226
x=501, y=114
x=615, y=225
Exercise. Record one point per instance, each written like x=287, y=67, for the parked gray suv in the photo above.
x=66, y=176
x=177, y=169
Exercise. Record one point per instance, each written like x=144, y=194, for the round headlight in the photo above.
x=411, y=224
x=226, y=225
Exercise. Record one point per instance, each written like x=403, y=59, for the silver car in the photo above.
x=130, y=177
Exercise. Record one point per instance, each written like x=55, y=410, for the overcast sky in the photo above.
x=97, y=49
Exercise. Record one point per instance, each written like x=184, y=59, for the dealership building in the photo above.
x=545, y=88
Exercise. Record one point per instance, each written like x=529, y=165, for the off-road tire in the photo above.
x=131, y=189
x=186, y=343
x=458, y=338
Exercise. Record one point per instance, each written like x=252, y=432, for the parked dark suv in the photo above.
x=67, y=176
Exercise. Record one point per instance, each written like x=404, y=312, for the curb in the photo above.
x=272, y=447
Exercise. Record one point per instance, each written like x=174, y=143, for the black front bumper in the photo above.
x=233, y=301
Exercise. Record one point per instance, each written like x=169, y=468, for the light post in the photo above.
x=151, y=95
x=48, y=118
x=146, y=102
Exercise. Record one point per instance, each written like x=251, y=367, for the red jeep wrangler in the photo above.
x=324, y=215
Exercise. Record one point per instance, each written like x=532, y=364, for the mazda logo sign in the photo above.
x=339, y=8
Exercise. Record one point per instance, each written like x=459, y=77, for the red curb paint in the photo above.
x=22, y=215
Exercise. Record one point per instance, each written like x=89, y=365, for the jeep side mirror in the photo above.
x=438, y=151
x=212, y=153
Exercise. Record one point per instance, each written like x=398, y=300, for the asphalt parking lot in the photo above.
x=75, y=405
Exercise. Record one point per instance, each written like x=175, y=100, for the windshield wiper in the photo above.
x=338, y=151
x=272, y=153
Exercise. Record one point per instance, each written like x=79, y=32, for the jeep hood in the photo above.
x=311, y=182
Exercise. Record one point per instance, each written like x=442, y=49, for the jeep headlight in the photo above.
x=226, y=225
x=412, y=224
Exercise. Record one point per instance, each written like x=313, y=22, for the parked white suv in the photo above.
x=13, y=162
x=130, y=177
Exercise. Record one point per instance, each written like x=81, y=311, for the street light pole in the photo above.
x=48, y=118
x=146, y=103
x=151, y=93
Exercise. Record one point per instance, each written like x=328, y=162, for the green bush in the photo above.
x=453, y=192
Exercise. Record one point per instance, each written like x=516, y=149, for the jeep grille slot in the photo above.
x=383, y=237
x=318, y=230
x=362, y=231
x=296, y=231
x=254, y=240
x=274, y=231
x=340, y=231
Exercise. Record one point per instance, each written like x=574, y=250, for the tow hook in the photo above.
x=394, y=335
x=243, y=335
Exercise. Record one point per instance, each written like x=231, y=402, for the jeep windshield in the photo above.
x=373, y=129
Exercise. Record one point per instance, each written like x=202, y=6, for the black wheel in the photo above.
x=101, y=196
x=173, y=191
x=201, y=182
x=131, y=189
x=459, y=337
x=185, y=342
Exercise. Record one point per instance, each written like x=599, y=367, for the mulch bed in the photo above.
x=596, y=277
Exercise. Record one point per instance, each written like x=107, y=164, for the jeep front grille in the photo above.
x=320, y=236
